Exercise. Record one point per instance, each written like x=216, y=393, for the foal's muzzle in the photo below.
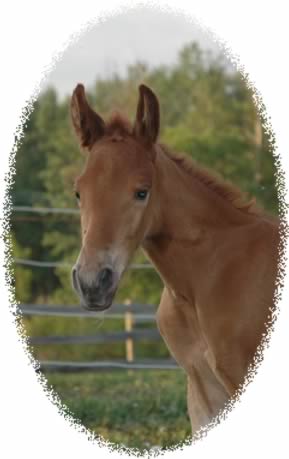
x=96, y=292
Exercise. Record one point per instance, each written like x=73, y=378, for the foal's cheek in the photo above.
x=83, y=227
x=136, y=224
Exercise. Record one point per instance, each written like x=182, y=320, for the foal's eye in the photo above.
x=77, y=195
x=141, y=195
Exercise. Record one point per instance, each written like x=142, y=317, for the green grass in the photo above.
x=136, y=409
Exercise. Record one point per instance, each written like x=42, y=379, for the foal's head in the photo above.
x=114, y=193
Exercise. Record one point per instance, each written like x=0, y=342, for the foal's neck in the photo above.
x=185, y=203
x=187, y=215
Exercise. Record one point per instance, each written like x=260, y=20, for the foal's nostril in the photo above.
x=105, y=278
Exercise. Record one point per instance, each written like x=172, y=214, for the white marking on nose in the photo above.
x=115, y=259
x=119, y=259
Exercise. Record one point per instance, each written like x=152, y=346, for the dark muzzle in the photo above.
x=95, y=293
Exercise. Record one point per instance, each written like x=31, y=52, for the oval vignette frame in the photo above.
x=51, y=395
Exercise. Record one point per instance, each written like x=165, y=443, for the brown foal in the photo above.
x=216, y=254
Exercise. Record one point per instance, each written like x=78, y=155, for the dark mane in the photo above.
x=213, y=181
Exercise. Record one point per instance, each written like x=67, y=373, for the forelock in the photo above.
x=118, y=124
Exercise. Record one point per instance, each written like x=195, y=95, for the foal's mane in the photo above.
x=213, y=181
x=118, y=124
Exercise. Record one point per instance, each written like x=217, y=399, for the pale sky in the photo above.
x=139, y=35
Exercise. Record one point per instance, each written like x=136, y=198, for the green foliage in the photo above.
x=30, y=190
x=136, y=409
x=21, y=276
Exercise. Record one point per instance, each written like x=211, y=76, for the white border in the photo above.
x=32, y=32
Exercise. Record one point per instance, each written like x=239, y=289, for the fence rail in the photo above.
x=63, y=264
x=131, y=314
x=115, y=311
x=136, y=335
x=46, y=210
x=71, y=367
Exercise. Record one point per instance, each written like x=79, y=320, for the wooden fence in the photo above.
x=131, y=314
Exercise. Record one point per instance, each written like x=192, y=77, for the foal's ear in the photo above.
x=88, y=125
x=147, y=122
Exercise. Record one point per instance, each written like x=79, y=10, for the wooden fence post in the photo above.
x=128, y=318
